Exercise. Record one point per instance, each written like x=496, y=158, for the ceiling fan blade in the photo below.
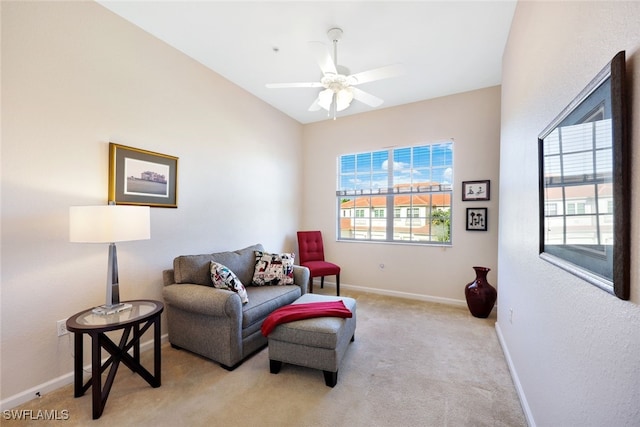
x=315, y=106
x=323, y=57
x=367, y=98
x=377, y=74
x=286, y=85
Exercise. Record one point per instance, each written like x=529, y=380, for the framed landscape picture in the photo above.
x=475, y=190
x=141, y=177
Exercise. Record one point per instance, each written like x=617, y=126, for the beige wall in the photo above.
x=573, y=348
x=472, y=120
x=74, y=77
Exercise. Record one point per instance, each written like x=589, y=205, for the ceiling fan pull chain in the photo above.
x=334, y=105
x=334, y=98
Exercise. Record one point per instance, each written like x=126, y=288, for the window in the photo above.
x=550, y=209
x=415, y=183
x=575, y=208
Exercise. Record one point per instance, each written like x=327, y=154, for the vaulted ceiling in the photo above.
x=446, y=47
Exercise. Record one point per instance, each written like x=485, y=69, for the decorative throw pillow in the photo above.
x=223, y=278
x=273, y=269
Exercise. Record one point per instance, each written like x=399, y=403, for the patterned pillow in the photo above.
x=223, y=278
x=273, y=269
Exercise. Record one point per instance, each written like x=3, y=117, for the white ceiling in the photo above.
x=446, y=47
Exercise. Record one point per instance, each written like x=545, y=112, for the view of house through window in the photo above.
x=396, y=195
x=578, y=183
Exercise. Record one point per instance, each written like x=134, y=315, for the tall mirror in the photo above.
x=584, y=184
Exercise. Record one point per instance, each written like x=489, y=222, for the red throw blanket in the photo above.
x=292, y=312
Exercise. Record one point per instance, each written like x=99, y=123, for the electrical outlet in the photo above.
x=511, y=315
x=62, y=327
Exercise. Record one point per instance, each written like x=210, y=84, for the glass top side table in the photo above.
x=88, y=320
x=134, y=322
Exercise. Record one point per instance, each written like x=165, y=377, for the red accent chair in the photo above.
x=311, y=253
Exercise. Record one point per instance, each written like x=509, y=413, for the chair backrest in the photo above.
x=310, y=246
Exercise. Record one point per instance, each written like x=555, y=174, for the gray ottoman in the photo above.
x=318, y=343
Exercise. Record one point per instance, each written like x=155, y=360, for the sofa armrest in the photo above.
x=168, y=278
x=301, y=278
x=203, y=300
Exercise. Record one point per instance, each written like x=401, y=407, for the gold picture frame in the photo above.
x=141, y=177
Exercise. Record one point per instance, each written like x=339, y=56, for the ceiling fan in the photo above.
x=339, y=85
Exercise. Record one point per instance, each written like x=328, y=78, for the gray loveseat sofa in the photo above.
x=213, y=322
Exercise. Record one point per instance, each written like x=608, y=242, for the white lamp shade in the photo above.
x=109, y=223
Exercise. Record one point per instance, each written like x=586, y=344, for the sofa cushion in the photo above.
x=264, y=299
x=223, y=278
x=273, y=269
x=196, y=268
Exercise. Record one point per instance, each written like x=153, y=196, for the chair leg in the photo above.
x=338, y=284
x=322, y=282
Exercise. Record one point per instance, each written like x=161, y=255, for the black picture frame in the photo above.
x=477, y=219
x=584, y=184
x=141, y=177
x=476, y=190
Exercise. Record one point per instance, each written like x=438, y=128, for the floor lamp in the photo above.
x=109, y=224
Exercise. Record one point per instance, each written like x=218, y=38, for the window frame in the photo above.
x=422, y=195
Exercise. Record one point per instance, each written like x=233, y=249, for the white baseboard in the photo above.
x=407, y=295
x=516, y=381
x=56, y=383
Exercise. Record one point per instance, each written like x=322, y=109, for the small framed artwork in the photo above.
x=141, y=177
x=477, y=219
x=475, y=190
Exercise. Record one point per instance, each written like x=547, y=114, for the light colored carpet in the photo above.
x=412, y=364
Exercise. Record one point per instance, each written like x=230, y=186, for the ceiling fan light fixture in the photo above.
x=344, y=98
x=325, y=98
x=338, y=82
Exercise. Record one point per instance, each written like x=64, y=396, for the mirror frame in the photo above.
x=608, y=87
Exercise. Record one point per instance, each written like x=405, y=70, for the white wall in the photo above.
x=74, y=77
x=472, y=120
x=574, y=348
